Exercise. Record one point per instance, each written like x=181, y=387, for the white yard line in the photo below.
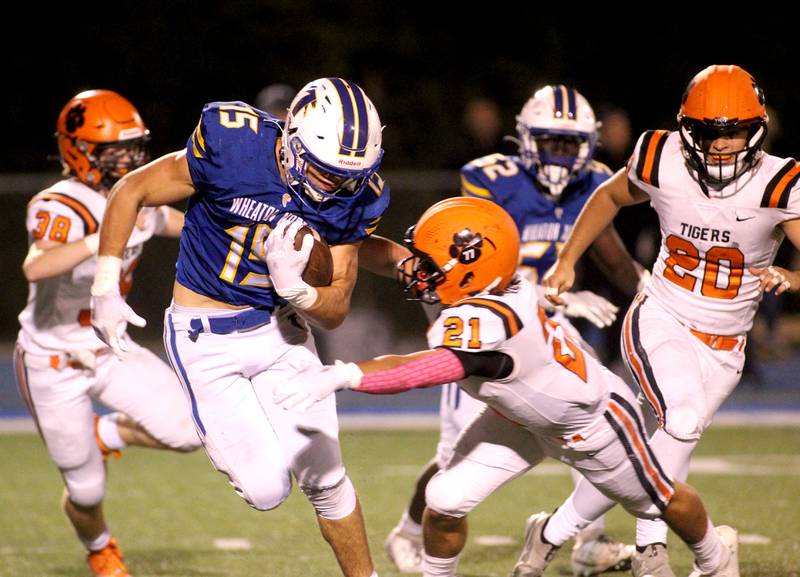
x=233, y=544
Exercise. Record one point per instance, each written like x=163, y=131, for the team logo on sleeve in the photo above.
x=466, y=246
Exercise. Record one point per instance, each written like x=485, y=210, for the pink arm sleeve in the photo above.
x=438, y=368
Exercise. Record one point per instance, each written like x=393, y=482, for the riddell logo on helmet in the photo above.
x=130, y=133
x=349, y=162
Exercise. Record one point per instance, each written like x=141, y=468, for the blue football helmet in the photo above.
x=557, y=133
x=332, y=141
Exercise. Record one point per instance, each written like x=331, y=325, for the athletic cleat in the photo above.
x=729, y=566
x=652, y=562
x=536, y=552
x=404, y=550
x=108, y=561
x=101, y=445
x=599, y=555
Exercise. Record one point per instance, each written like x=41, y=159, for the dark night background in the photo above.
x=418, y=64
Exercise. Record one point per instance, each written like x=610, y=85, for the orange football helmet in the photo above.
x=722, y=101
x=461, y=247
x=101, y=137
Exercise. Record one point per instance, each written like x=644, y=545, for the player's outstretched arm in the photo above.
x=381, y=256
x=390, y=374
x=163, y=181
x=596, y=216
x=47, y=258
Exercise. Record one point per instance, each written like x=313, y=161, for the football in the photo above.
x=319, y=268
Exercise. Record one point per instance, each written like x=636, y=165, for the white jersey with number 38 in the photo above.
x=710, y=238
x=57, y=316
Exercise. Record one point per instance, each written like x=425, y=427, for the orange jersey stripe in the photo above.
x=650, y=157
x=638, y=445
x=511, y=321
x=634, y=361
x=89, y=221
x=775, y=197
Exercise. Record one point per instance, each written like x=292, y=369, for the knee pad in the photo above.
x=684, y=423
x=264, y=495
x=86, y=486
x=335, y=502
x=445, y=497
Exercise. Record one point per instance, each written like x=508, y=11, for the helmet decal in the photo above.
x=355, y=125
x=309, y=98
x=75, y=117
x=466, y=246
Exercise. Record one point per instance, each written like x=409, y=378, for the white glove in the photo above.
x=286, y=265
x=594, y=308
x=110, y=313
x=315, y=383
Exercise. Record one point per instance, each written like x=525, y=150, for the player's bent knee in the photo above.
x=684, y=423
x=85, y=488
x=446, y=498
x=262, y=495
x=336, y=502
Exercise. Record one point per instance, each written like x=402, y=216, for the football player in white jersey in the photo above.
x=724, y=206
x=545, y=395
x=60, y=364
x=543, y=189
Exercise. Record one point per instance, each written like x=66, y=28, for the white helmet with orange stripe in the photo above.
x=557, y=136
x=332, y=140
x=723, y=124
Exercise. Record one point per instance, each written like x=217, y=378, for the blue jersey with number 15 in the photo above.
x=240, y=197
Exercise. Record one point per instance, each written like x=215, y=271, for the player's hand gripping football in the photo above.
x=592, y=307
x=286, y=265
x=772, y=278
x=315, y=383
x=559, y=279
x=110, y=313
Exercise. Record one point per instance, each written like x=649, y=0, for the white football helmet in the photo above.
x=332, y=140
x=557, y=136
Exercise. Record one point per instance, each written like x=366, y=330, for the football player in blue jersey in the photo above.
x=543, y=189
x=236, y=326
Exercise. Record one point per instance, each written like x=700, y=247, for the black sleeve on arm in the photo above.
x=491, y=365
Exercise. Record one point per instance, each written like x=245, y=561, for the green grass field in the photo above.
x=167, y=510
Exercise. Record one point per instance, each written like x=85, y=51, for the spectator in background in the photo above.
x=481, y=132
x=275, y=99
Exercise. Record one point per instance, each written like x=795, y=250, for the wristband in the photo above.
x=302, y=298
x=106, y=276
x=350, y=372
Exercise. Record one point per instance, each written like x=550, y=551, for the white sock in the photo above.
x=708, y=551
x=374, y=574
x=409, y=526
x=564, y=524
x=98, y=543
x=108, y=431
x=650, y=531
x=596, y=527
x=436, y=567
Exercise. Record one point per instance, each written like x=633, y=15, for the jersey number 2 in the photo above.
x=684, y=254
